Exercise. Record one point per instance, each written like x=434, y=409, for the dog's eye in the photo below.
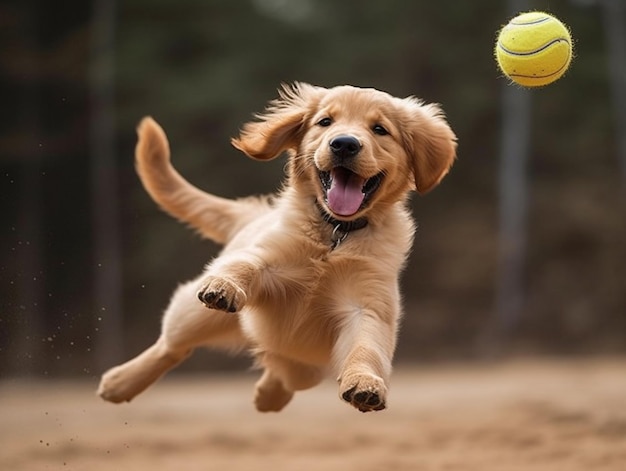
x=378, y=129
x=325, y=122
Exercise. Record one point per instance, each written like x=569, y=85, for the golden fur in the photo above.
x=295, y=284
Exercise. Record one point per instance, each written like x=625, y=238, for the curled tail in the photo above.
x=214, y=217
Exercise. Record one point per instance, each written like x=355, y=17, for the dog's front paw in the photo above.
x=365, y=392
x=221, y=294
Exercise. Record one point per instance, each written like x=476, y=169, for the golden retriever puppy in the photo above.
x=308, y=278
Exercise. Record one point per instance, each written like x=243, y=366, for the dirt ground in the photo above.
x=522, y=415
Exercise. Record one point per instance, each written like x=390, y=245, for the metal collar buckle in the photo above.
x=337, y=237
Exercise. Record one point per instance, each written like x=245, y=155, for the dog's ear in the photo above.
x=430, y=142
x=281, y=125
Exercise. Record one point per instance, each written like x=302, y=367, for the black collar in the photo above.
x=341, y=229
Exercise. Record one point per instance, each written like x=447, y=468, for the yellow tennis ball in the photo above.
x=534, y=49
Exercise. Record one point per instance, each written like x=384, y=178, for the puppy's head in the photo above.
x=353, y=149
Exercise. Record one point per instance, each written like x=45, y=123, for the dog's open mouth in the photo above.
x=347, y=192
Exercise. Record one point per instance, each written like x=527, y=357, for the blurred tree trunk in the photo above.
x=615, y=27
x=27, y=357
x=105, y=208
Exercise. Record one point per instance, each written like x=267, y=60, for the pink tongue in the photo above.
x=345, y=195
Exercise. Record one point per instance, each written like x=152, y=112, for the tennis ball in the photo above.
x=534, y=49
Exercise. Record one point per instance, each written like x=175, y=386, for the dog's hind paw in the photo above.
x=365, y=392
x=221, y=294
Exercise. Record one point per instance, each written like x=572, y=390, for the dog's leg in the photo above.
x=363, y=354
x=270, y=394
x=186, y=325
x=123, y=382
x=281, y=378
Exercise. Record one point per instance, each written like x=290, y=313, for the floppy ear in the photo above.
x=430, y=142
x=281, y=125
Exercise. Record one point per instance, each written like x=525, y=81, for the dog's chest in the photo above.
x=305, y=303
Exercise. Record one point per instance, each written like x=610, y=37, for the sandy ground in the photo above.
x=523, y=415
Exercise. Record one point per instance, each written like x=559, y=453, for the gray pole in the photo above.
x=512, y=199
x=513, y=202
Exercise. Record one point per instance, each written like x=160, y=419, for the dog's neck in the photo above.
x=341, y=229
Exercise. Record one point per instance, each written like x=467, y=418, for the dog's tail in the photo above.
x=214, y=217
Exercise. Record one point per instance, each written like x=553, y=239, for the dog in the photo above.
x=308, y=279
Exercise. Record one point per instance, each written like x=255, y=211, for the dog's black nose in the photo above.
x=345, y=146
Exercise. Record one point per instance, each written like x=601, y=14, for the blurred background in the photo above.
x=520, y=251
